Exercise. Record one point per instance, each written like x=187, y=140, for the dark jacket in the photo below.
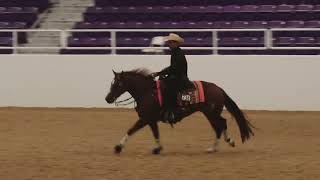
x=178, y=68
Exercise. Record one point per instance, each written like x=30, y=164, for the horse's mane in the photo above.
x=141, y=72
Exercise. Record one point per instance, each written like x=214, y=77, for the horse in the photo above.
x=141, y=86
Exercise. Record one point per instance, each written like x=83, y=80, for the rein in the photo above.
x=123, y=102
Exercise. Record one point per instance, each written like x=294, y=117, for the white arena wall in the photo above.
x=254, y=82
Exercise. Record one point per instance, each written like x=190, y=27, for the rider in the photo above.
x=177, y=75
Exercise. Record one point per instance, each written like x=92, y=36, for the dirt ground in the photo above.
x=77, y=144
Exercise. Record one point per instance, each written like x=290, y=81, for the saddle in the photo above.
x=191, y=95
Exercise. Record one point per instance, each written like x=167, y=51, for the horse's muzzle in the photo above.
x=110, y=99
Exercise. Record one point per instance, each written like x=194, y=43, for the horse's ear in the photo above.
x=114, y=72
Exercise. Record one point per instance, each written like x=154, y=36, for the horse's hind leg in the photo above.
x=155, y=131
x=217, y=124
x=227, y=138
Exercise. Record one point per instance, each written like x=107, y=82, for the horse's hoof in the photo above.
x=156, y=150
x=118, y=149
x=211, y=150
x=232, y=144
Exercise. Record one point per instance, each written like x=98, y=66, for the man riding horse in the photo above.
x=176, y=76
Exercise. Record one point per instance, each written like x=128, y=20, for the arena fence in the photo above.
x=64, y=34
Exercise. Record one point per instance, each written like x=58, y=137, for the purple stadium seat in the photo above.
x=228, y=41
x=160, y=25
x=143, y=42
x=167, y=9
x=295, y=24
x=276, y=24
x=304, y=8
x=197, y=42
x=305, y=41
x=134, y=25
x=223, y=24
x=189, y=25
x=231, y=8
x=285, y=8
x=240, y=24
x=159, y=9
x=95, y=9
x=155, y=25
x=284, y=41
x=166, y=25
x=84, y=51
x=5, y=41
x=88, y=41
x=208, y=14
x=251, y=41
x=267, y=8
x=241, y=42
x=206, y=24
x=130, y=9
x=182, y=9
x=317, y=42
x=312, y=24
x=18, y=25
x=30, y=18
x=41, y=5
x=196, y=9
x=316, y=8
x=214, y=9
x=257, y=24
x=249, y=8
x=133, y=42
x=84, y=25
x=4, y=25
x=125, y=42
x=172, y=25
x=113, y=9
x=31, y=9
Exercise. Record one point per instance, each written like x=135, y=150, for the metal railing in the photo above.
x=64, y=34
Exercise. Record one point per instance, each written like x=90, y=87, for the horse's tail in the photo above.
x=243, y=124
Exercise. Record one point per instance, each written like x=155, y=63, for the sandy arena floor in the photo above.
x=77, y=144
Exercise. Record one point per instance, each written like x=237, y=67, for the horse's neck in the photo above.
x=138, y=88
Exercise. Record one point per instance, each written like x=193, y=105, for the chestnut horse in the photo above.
x=141, y=86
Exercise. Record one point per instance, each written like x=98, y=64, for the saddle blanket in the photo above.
x=187, y=97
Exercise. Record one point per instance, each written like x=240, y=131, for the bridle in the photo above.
x=119, y=103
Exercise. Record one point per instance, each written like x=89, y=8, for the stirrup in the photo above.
x=168, y=116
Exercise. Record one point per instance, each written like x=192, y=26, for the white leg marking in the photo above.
x=228, y=139
x=124, y=140
x=215, y=146
x=225, y=135
x=158, y=143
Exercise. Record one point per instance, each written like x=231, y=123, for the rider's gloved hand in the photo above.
x=153, y=75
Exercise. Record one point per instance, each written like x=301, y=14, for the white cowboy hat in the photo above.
x=174, y=37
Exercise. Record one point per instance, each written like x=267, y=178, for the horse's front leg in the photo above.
x=138, y=125
x=155, y=131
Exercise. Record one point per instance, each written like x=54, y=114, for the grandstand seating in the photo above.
x=178, y=14
x=200, y=14
x=18, y=14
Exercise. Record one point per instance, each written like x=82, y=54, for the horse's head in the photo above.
x=137, y=82
x=118, y=87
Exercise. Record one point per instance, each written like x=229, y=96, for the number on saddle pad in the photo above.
x=186, y=97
